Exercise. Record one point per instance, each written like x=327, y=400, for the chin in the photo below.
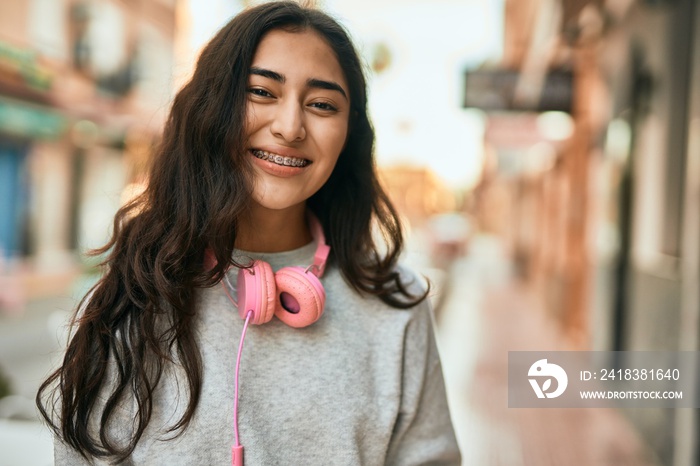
x=278, y=203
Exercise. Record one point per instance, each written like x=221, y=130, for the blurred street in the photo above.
x=30, y=346
x=486, y=313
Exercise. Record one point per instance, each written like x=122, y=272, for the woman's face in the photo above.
x=296, y=117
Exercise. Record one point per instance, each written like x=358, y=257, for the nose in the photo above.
x=288, y=122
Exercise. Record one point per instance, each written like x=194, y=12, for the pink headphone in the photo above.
x=294, y=294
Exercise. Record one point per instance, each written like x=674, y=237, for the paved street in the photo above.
x=29, y=347
x=29, y=343
x=485, y=314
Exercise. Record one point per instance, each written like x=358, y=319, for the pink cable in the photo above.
x=238, y=366
x=237, y=449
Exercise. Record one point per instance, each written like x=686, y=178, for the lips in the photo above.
x=282, y=160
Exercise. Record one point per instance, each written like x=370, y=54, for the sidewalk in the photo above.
x=485, y=314
x=31, y=344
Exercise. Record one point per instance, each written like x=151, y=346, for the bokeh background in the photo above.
x=544, y=154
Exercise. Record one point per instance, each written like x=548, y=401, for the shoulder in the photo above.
x=368, y=315
x=414, y=282
x=339, y=290
x=416, y=285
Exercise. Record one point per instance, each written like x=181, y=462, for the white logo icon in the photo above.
x=543, y=369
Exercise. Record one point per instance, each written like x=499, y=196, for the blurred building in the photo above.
x=417, y=192
x=601, y=198
x=84, y=85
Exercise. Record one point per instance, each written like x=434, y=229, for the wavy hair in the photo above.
x=139, y=317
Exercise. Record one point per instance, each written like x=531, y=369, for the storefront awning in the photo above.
x=31, y=121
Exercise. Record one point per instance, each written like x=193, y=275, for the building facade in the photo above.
x=84, y=87
x=605, y=221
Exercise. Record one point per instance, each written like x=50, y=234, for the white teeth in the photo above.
x=279, y=159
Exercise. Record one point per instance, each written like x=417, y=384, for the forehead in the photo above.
x=302, y=53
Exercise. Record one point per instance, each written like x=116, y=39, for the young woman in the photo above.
x=263, y=207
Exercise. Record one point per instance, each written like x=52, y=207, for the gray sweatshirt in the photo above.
x=362, y=386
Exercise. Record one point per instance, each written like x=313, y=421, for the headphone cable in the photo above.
x=237, y=448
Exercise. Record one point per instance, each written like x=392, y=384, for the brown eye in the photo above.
x=324, y=106
x=259, y=92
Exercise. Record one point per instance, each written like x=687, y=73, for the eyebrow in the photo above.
x=328, y=85
x=267, y=74
x=311, y=82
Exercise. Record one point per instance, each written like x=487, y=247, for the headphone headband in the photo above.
x=322, y=250
x=320, y=256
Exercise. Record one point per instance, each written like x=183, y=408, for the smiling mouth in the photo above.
x=280, y=159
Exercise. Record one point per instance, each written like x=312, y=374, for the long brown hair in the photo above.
x=198, y=192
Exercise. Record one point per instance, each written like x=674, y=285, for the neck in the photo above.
x=267, y=230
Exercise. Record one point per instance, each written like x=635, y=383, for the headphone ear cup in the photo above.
x=300, y=297
x=257, y=292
